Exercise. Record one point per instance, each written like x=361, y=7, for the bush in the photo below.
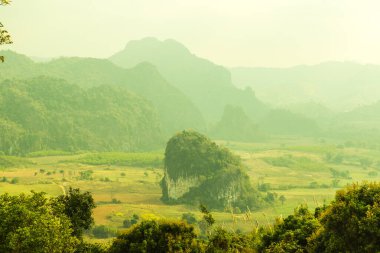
x=264, y=187
x=15, y=180
x=86, y=175
x=189, y=218
x=85, y=247
x=224, y=241
x=103, y=231
x=156, y=236
x=132, y=221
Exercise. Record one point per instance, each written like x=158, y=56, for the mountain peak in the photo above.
x=152, y=44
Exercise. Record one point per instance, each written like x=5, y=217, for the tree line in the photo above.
x=36, y=223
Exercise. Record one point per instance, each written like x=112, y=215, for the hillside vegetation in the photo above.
x=197, y=171
x=51, y=114
x=174, y=110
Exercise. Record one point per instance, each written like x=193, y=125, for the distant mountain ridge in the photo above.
x=341, y=86
x=188, y=92
x=208, y=85
x=176, y=111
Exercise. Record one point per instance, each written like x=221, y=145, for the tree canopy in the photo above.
x=5, y=37
x=156, y=236
x=351, y=222
x=30, y=223
x=78, y=207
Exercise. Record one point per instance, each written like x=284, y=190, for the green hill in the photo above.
x=46, y=113
x=176, y=112
x=199, y=171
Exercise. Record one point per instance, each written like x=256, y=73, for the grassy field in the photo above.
x=304, y=172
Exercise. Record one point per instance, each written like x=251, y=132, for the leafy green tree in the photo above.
x=223, y=241
x=78, y=207
x=5, y=38
x=291, y=234
x=29, y=223
x=156, y=237
x=351, y=223
x=86, y=247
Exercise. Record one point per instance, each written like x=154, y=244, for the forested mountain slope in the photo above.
x=46, y=113
x=175, y=111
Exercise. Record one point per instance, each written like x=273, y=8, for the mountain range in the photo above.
x=340, y=86
x=167, y=85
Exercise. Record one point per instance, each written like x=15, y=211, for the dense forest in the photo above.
x=50, y=114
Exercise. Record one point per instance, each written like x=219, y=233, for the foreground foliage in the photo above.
x=352, y=222
x=35, y=223
x=158, y=237
x=30, y=223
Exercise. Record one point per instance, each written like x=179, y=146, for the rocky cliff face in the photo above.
x=176, y=188
x=199, y=171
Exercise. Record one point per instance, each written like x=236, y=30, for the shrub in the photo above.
x=103, y=231
x=15, y=180
x=189, y=218
x=133, y=220
x=156, y=236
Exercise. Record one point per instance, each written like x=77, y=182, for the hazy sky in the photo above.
x=228, y=32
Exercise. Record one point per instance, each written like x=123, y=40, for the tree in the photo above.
x=78, y=207
x=189, y=218
x=29, y=223
x=292, y=233
x=157, y=237
x=5, y=38
x=224, y=241
x=351, y=222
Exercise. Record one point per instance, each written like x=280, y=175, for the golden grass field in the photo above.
x=138, y=190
